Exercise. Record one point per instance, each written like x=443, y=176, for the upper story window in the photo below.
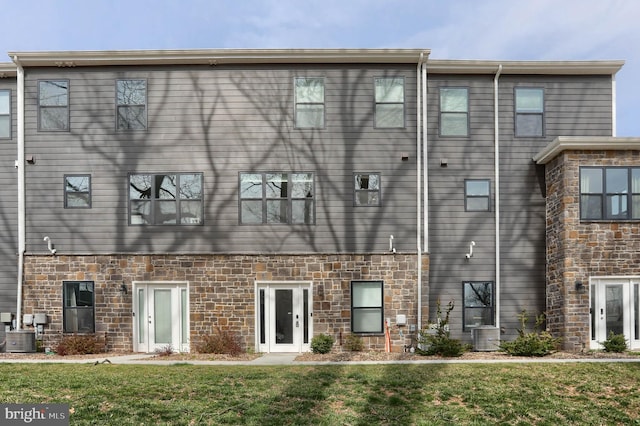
x=367, y=189
x=53, y=105
x=131, y=99
x=529, y=112
x=609, y=193
x=286, y=198
x=367, y=310
x=78, y=307
x=5, y=114
x=477, y=195
x=77, y=191
x=478, y=304
x=165, y=199
x=389, y=97
x=309, y=93
x=454, y=111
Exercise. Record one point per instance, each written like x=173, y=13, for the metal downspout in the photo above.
x=418, y=190
x=496, y=131
x=21, y=185
x=614, y=108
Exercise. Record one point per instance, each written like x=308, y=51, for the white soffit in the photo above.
x=585, y=143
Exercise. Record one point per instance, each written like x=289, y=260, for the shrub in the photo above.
x=535, y=343
x=615, y=343
x=222, y=341
x=354, y=343
x=436, y=340
x=321, y=344
x=80, y=345
x=165, y=350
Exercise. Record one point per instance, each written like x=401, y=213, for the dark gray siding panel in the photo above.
x=221, y=121
x=8, y=211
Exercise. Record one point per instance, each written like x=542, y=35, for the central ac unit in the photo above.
x=486, y=338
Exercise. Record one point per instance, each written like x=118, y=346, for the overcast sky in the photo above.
x=453, y=29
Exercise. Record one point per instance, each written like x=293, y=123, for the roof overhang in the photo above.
x=445, y=66
x=585, y=143
x=8, y=69
x=217, y=57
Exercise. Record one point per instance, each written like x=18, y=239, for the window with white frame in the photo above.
x=477, y=195
x=131, y=104
x=53, y=105
x=277, y=198
x=529, y=112
x=478, y=303
x=77, y=191
x=166, y=199
x=367, y=309
x=5, y=114
x=610, y=193
x=309, y=102
x=367, y=189
x=389, y=99
x=78, y=306
x=454, y=111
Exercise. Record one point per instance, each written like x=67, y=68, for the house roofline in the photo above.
x=454, y=66
x=585, y=143
x=8, y=69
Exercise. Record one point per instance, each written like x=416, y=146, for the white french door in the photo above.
x=615, y=308
x=161, y=316
x=283, y=317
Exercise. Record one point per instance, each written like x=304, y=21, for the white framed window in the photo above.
x=389, y=100
x=529, y=112
x=454, y=111
x=131, y=104
x=53, y=105
x=367, y=309
x=309, y=103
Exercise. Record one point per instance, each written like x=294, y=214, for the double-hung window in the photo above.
x=78, y=306
x=477, y=195
x=77, y=191
x=309, y=109
x=610, y=193
x=5, y=114
x=389, y=97
x=367, y=189
x=284, y=198
x=131, y=104
x=478, y=303
x=165, y=199
x=454, y=111
x=529, y=112
x=367, y=311
x=53, y=105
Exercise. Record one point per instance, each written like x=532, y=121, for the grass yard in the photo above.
x=460, y=394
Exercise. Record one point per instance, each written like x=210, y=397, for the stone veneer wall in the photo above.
x=578, y=250
x=221, y=289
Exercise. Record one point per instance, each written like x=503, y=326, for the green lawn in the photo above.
x=511, y=394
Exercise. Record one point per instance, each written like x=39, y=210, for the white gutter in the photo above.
x=614, y=109
x=21, y=186
x=496, y=165
x=419, y=101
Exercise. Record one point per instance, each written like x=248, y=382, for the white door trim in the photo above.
x=629, y=318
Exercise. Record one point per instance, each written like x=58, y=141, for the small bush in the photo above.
x=321, y=344
x=354, y=343
x=437, y=339
x=535, y=343
x=222, y=341
x=615, y=343
x=165, y=350
x=80, y=345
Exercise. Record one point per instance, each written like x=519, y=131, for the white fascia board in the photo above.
x=585, y=143
x=217, y=57
x=8, y=69
x=445, y=66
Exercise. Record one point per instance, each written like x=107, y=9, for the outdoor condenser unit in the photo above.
x=486, y=338
x=21, y=341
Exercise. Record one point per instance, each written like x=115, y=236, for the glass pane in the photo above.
x=77, y=200
x=389, y=115
x=617, y=207
x=165, y=187
x=162, y=316
x=5, y=126
x=76, y=183
x=529, y=125
x=478, y=295
x=53, y=93
x=5, y=102
x=142, y=315
x=251, y=212
x=593, y=310
x=453, y=124
x=367, y=181
x=276, y=211
x=140, y=212
x=131, y=92
x=284, y=316
x=367, y=294
x=477, y=203
x=302, y=211
x=367, y=198
x=305, y=316
x=310, y=116
x=139, y=187
x=591, y=181
x=132, y=118
x=166, y=213
x=191, y=212
x=635, y=209
x=474, y=317
x=636, y=312
x=54, y=118
x=191, y=187
x=529, y=100
x=591, y=207
x=277, y=185
x=309, y=90
x=79, y=320
x=617, y=180
x=367, y=320
x=301, y=185
x=389, y=89
x=614, y=307
x=635, y=180
x=476, y=187
x=263, y=338
x=453, y=100
x=250, y=185
x=183, y=317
